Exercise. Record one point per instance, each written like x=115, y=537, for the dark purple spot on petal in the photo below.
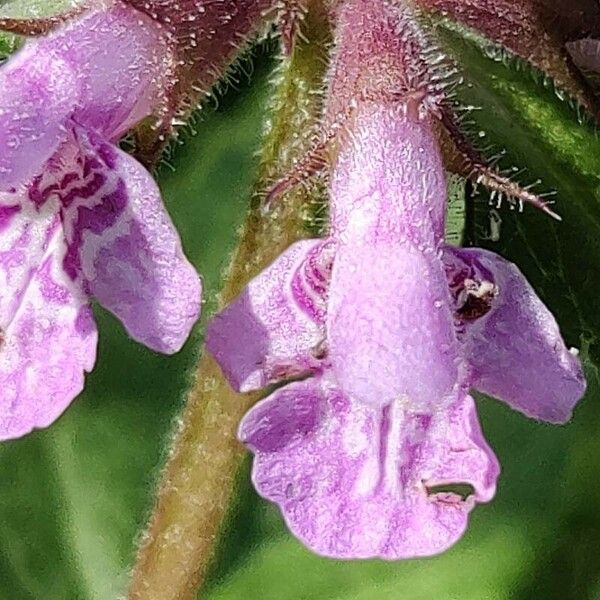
x=68, y=179
x=95, y=219
x=107, y=154
x=91, y=163
x=7, y=214
x=86, y=191
x=39, y=194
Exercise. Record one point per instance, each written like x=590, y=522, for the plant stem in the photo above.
x=198, y=481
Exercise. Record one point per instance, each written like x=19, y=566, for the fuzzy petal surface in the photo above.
x=47, y=333
x=390, y=330
x=274, y=328
x=37, y=94
x=356, y=481
x=515, y=350
x=125, y=250
x=122, y=63
x=388, y=184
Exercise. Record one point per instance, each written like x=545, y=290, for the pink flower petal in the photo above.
x=388, y=182
x=122, y=63
x=515, y=350
x=36, y=97
x=355, y=481
x=124, y=247
x=274, y=329
x=390, y=330
x=47, y=333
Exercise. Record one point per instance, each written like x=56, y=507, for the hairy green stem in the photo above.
x=198, y=481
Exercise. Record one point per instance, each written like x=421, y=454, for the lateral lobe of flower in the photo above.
x=514, y=350
x=278, y=319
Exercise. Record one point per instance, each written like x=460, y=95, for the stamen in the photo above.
x=475, y=299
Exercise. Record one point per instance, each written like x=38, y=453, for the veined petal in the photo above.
x=26, y=232
x=47, y=333
x=124, y=248
x=36, y=96
x=355, y=481
x=515, y=349
x=390, y=330
x=274, y=328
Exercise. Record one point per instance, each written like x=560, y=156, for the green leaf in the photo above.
x=8, y=44
x=35, y=8
x=28, y=9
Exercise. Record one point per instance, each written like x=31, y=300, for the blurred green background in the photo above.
x=74, y=497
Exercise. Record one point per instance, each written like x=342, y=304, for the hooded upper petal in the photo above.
x=47, y=333
x=106, y=71
x=388, y=182
x=514, y=349
x=390, y=331
x=357, y=481
x=124, y=248
x=37, y=94
x=275, y=327
x=121, y=60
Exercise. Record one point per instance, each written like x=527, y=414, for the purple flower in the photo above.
x=79, y=218
x=386, y=330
